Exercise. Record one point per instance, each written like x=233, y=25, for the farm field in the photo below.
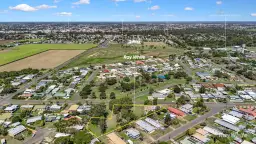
x=154, y=43
x=115, y=53
x=6, y=41
x=24, y=51
x=48, y=59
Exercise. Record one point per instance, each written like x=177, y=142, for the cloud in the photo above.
x=218, y=2
x=118, y=0
x=188, y=8
x=253, y=14
x=23, y=7
x=156, y=7
x=44, y=6
x=56, y=1
x=64, y=14
x=28, y=8
x=137, y=17
x=137, y=1
x=82, y=2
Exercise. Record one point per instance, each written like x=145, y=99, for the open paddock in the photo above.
x=6, y=41
x=48, y=59
x=154, y=43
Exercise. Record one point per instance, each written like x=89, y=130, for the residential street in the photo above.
x=214, y=110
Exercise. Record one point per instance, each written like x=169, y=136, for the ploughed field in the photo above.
x=39, y=55
x=48, y=59
x=24, y=51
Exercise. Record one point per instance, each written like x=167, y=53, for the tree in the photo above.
x=176, y=89
x=191, y=131
x=154, y=101
x=103, y=125
x=103, y=95
x=82, y=137
x=202, y=89
x=151, y=90
x=93, y=96
x=16, y=119
x=167, y=119
x=147, y=102
x=63, y=140
x=112, y=95
x=126, y=79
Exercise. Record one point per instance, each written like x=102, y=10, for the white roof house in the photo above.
x=11, y=108
x=145, y=126
x=230, y=119
x=61, y=135
x=133, y=133
x=34, y=119
x=14, y=131
x=213, y=131
x=29, y=77
x=154, y=123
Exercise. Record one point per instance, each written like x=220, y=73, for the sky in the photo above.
x=127, y=10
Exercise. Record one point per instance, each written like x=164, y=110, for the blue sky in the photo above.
x=127, y=10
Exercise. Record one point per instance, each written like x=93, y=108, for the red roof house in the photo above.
x=219, y=85
x=140, y=63
x=250, y=111
x=106, y=71
x=176, y=111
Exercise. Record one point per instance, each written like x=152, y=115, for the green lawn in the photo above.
x=31, y=49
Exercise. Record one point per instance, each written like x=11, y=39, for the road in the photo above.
x=40, y=135
x=214, y=110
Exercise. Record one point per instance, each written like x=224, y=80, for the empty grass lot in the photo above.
x=24, y=51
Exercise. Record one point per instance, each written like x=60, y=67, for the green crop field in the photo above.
x=32, y=49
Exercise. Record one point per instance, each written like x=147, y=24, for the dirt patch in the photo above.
x=6, y=41
x=48, y=59
x=154, y=43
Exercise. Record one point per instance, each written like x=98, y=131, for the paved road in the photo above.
x=40, y=135
x=214, y=110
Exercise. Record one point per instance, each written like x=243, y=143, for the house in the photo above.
x=236, y=114
x=145, y=126
x=29, y=107
x=14, y=124
x=73, y=108
x=219, y=86
x=78, y=127
x=161, y=94
x=154, y=123
x=50, y=88
x=132, y=133
x=187, y=108
x=246, y=142
x=190, y=140
x=83, y=108
x=227, y=125
x=28, y=77
x=230, y=119
x=250, y=111
x=176, y=111
x=202, y=132
x=39, y=108
x=34, y=119
x=114, y=139
x=213, y=131
x=11, y=108
x=17, y=130
x=201, y=138
x=61, y=135
x=54, y=107
x=149, y=108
